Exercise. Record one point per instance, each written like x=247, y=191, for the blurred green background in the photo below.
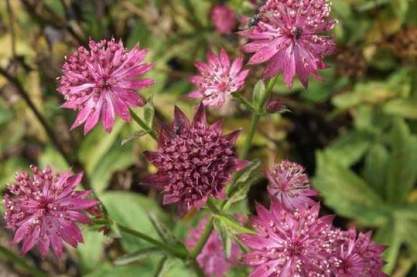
x=354, y=130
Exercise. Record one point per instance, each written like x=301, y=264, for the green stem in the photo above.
x=256, y=115
x=203, y=239
x=161, y=266
x=166, y=247
x=143, y=125
x=21, y=262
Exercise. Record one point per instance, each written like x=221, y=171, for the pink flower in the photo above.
x=212, y=258
x=358, y=256
x=289, y=37
x=218, y=79
x=194, y=160
x=289, y=243
x=102, y=83
x=43, y=209
x=290, y=185
x=223, y=18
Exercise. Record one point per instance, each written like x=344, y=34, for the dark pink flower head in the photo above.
x=102, y=82
x=358, y=255
x=223, y=18
x=218, y=78
x=194, y=160
x=212, y=258
x=289, y=184
x=43, y=209
x=289, y=37
x=289, y=243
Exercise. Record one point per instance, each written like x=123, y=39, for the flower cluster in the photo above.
x=212, y=258
x=218, y=79
x=194, y=160
x=43, y=209
x=292, y=240
x=289, y=37
x=102, y=82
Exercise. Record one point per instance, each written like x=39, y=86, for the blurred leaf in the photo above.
x=403, y=107
x=117, y=158
x=137, y=256
x=91, y=251
x=347, y=193
x=132, y=137
x=401, y=169
x=97, y=144
x=258, y=94
x=130, y=209
x=50, y=157
x=132, y=270
x=375, y=169
x=148, y=114
x=349, y=148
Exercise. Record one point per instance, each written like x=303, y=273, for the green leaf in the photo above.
x=232, y=225
x=243, y=182
x=225, y=237
x=50, y=157
x=117, y=158
x=97, y=144
x=349, y=148
x=375, y=169
x=259, y=95
x=347, y=193
x=149, y=114
x=91, y=251
x=403, y=107
x=401, y=169
x=137, y=256
x=131, y=210
x=131, y=270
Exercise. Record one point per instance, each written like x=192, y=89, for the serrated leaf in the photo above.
x=225, y=237
x=232, y=225
x=401, y=168
x=375, y=170
x=347, y=193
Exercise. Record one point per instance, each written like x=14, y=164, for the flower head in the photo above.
x=218, y=79
x=288, y=243
x=289, y=184
x=194, y=160
x=102, y=82
x=212, y=257
x=358, y=255
x=43, y=209
x=223, y=18
x=289, y=37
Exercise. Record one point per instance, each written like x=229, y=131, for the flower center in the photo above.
x=296, y=33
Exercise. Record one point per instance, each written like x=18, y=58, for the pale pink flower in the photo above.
x=289, y=37
x=194, y=160
x=102, y=82
x=223, y=18
x=289, y=243
x=212, y=258
x=289, y=184
x=43, y=209
x=218, y=79
x=357, y=255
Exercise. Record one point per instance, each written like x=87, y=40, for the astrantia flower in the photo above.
x=212, y=257
x=290, y=185
x=218, y=79
x=358, y=256
x=223, y=18
x=194, y=160
x=43, y=209
x=102, y=82
x=289, y=37
x=289, y=243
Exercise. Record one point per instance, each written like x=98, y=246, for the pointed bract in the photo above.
x=194, y=161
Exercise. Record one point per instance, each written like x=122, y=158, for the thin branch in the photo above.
x=11, y=26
